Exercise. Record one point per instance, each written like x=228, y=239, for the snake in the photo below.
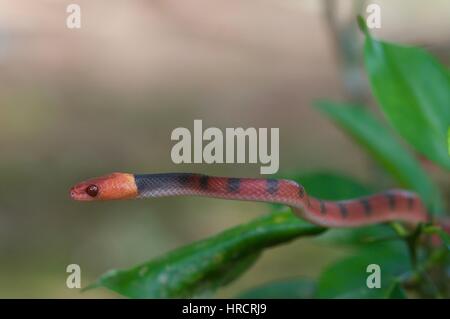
x=391, y=205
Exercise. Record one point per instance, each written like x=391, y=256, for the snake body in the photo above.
x=391, y=205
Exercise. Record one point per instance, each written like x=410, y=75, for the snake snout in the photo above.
x=77, y=193
x=73, y=193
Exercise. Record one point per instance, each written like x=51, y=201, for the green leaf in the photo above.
x=413, y=89
x=361, y=236
x=333, y=186
x=348, y=277
x=204, y=266
x=385, y=148
x=295, y=288
x=362, y=25
x=396, y=291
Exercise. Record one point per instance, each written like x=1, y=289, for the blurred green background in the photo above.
x=82, y=103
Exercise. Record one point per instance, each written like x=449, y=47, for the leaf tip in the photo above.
x=91, y=286
x=362, y=25
x=320, y=104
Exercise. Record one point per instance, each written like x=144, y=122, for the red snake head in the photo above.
x=113, y=186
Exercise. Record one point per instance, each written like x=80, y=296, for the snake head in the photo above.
x=113, y=186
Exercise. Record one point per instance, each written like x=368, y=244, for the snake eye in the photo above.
x=92, y=190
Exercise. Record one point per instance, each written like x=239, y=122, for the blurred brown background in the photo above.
x=84, y=102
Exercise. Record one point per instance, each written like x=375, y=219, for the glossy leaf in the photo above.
x=348, y=277
x=295, y=288
x=378, y=140
x=413, y=90
x=203, y=266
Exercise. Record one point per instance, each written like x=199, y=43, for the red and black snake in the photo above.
x=391, y=205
